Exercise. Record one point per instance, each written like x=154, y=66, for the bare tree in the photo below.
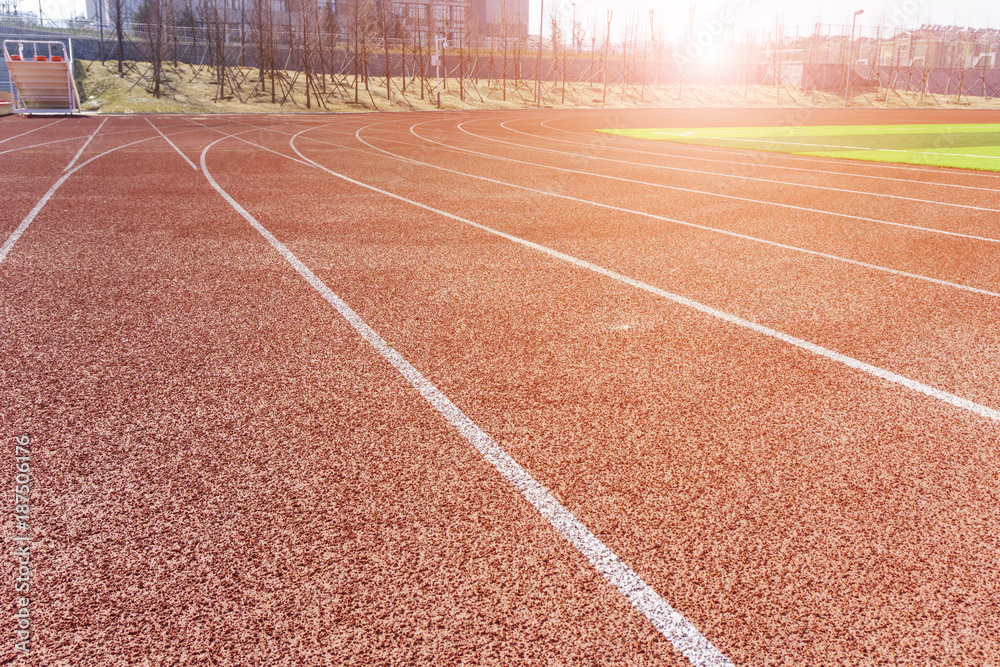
x=357, y=14
x=538, y=60
x=964, y=56
x=593, y=51
x=215, y=43
x=505, y=36
x=607, y=46
x=419, y=46
x=365, y=29
x=565, y=48
x=118, y=18
x=152, y=15
x=929, y=54
x=262, y=16
x=306, y=11
x=404, y=33
x=385, y=46
x=556, y=36
x=321, y=52
x=156, y=37
x=172, y=12
x=472, y=40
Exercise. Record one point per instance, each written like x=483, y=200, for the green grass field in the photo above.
x=963, y=146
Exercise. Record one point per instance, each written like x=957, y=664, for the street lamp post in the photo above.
x=573, y=30
x=850, y=58
x=538, y=61
x=100, y=23
x=437, y=65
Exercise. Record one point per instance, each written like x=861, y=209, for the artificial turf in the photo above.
x=963, y=146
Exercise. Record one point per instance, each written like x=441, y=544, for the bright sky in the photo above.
x=747, y=14
x=761, y=14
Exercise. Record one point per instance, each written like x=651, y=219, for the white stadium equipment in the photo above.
x=41, y=77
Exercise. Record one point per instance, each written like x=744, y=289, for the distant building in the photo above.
x=942, y=46
x=451, y=18
x=490, y=14
x=457, y=17
x=96, y=10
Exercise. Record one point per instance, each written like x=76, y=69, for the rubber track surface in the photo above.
x=224, y=472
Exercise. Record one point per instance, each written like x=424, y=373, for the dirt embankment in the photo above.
x=192, y=89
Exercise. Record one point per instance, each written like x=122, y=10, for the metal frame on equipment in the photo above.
x=41, y=77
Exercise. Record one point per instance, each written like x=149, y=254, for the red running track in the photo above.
x=491, y=388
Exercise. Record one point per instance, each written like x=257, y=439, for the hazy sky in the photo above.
x=746, y=14
x=761, y=14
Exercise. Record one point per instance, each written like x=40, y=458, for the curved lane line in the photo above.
x=678, y=630
x=934, y=171
x=799, y=143
x=16, y=234
x=44, y=143
x=85, y=144
x=730, y=176
x=849, y=216
x=258, y=129
x=744, y=237
x=746, y=199
x=34, y=130
x=59, y=141
x=850, y=362
x=703, y=192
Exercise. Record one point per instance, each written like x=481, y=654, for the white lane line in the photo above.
x=59, y=141
x=268, y=128
x=172, y=144
x=715, y=150
x=12, y=239
x=85, y=144
x=736, y=177
x=287, y=157
x=799, y=143
x=44, y=143
x=42, y=127
x=653, y=216
x=927, y=390
x=750, y=163
x=677, y=629
x=704, y=192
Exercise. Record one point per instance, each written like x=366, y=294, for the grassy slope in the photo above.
x=194, y=90
x=964, y=146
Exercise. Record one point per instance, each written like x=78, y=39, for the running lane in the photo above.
x=792, y=508
x=939, y=334
x=224, y=472
x=33, y=155
x=965, y=210
x=581, y=128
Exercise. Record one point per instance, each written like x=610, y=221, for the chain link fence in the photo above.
x=798, y=64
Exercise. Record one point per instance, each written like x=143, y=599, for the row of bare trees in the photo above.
x=305, y=53
x=303, y=48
